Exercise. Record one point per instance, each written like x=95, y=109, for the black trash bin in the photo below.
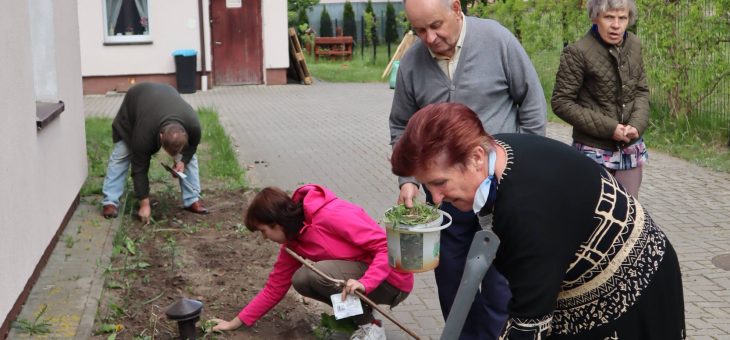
x=185, y=62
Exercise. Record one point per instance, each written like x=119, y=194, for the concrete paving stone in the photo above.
x=710, y=304
x=720, y=314
x=426, y=321
x=436, y=314
x=692, y=308
x=699, y=324
x=713, y=333
x=404, y=317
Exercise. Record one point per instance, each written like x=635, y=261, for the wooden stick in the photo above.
x=357, y=292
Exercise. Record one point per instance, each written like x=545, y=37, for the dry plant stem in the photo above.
x=358, y=293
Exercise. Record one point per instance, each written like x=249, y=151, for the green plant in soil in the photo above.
x=69, y=241
x=35, y=327
x=329, y=325
x=420, y=213
x=207, y=327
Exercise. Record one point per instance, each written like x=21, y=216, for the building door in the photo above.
x=237, y=46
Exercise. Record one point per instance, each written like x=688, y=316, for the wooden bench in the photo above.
x=333, y=46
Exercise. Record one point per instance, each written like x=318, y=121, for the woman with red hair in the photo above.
x=584, y=260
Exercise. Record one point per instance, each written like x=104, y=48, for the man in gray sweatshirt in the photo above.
x=479, y=63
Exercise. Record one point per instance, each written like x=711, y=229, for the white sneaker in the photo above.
x=370, y=331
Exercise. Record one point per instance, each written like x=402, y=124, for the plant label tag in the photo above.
x=351, y=306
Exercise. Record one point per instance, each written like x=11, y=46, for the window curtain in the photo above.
x=112, y=13
x=142, y=10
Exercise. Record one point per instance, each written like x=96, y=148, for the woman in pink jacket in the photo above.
x=342, y=240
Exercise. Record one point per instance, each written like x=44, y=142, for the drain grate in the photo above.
x=722, y=261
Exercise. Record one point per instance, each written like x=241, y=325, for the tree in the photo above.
x=325, y=24
x=685, y=62
x=403, y=22
x=391, y=27
x=369, y=28
x=302, y=17
x=348, y=21
x=374, y=27
x=297, y=5
x=297, y=11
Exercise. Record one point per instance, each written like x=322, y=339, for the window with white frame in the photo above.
x=126, y=21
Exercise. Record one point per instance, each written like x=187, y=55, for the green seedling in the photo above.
x=140, y=265
x=280, y=314
x=240, y=230
x=329, y=325
x=190, y=229
x=69, y=241
x=36, y=327
x=130, y=246
x=171, y=248
x=420, y=213
x=153, y=299
x=207, y=327
x=116, y=310
x=107, y=328
x=114, y=285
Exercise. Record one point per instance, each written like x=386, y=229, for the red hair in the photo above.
x=450, y=129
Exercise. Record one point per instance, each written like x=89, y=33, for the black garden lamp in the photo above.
x=186, y=312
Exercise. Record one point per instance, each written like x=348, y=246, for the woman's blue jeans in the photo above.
x=116, y=176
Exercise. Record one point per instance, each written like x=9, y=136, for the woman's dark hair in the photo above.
x=273, y=206
x=449, y=129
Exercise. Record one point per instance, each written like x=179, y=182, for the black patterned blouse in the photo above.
x=583, y=258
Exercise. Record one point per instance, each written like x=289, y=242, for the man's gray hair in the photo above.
x=596, y=7
x=174, y=136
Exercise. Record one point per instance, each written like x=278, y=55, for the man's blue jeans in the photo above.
x=116, y=176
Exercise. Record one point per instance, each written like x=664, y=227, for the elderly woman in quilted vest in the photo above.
x=601, y=90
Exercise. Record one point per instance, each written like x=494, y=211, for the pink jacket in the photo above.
x=334, y=229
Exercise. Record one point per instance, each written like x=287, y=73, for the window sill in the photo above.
x=142, y=39
x=46, y=112
x=114, y=43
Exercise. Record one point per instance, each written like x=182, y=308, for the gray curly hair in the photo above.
x=596, y=7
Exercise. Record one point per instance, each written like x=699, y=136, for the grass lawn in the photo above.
x=361, y=69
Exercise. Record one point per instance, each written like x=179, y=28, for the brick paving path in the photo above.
x=337, y=135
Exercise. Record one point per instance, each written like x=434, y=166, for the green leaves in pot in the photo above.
x=421, y=213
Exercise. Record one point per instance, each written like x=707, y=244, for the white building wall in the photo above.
x=173, y=26
x=41, y=172
x=276, y=36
